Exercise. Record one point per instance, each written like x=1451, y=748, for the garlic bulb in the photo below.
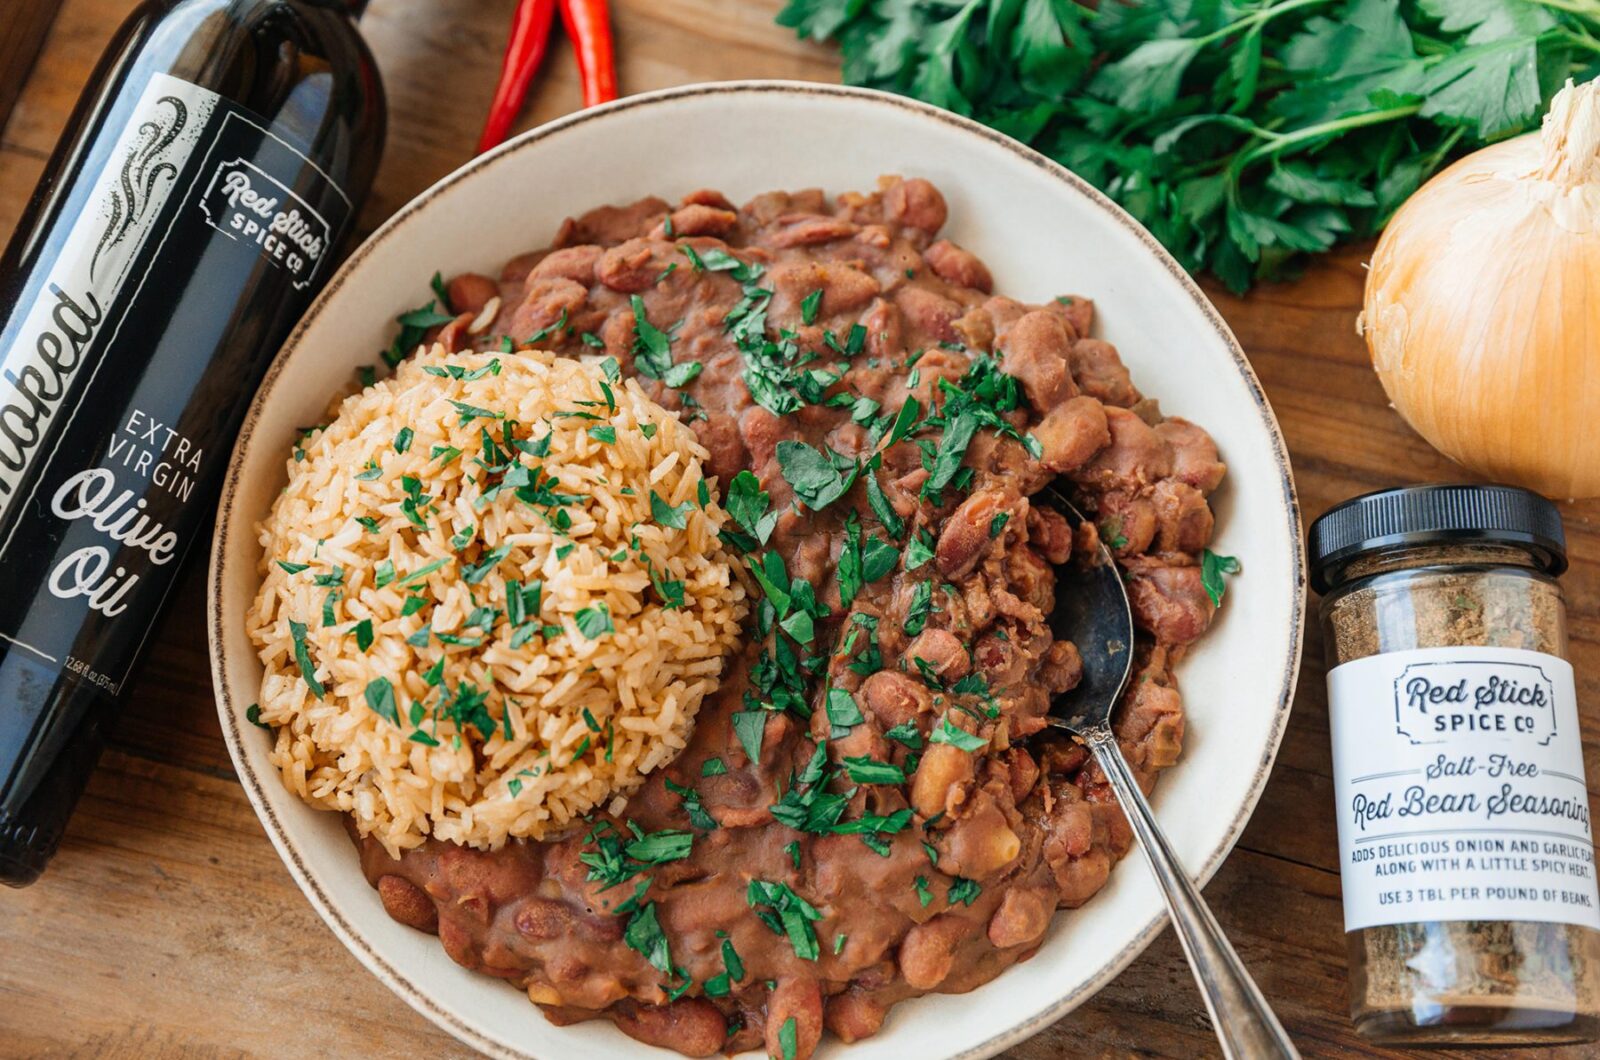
x=1483, y=305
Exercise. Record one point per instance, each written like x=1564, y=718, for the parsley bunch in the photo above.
x=1243, y=134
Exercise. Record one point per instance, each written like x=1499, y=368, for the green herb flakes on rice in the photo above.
x=493, y=598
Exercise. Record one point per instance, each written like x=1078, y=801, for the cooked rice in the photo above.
x=588, y=717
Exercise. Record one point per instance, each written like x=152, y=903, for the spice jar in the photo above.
x=1465, y=851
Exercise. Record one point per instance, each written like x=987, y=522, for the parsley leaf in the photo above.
x=594, y=621
x=1212, y=568
x=815, y=479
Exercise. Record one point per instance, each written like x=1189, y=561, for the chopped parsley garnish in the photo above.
x=963, y=891
x=722, y=984
x=842, y=708
x=302, y=655
x=363, y=632
x=380, y=700
x=293, y=568
x=473, y=573
x=921, y=607
x=682, y=374
x=809, y=306
x=919, y=551
x=906, y=733
x=713, y=767
x=644, y=935
x=786, y=913
x=817, y=480
x=606, y=435
x=864, y=770
x=749, y=726
x=252, y=714
x=674, y=517
x=788, y=1039
x=594, y=621
x=420, y=573
x=997, y=524
x=402, y=439
x=749, y=506
x=468, y=413
x=1212, y=569
x=881, y=507
x=1111, y=533
x=692, y=806
x=652, y=347
x=947, y=731
x=924, y=895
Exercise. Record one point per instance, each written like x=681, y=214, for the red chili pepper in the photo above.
x=530, y=37
x=588, y=23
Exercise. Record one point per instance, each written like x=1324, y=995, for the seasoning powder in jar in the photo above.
x=1465, y=848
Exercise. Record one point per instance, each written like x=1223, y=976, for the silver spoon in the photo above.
x=1092, y=611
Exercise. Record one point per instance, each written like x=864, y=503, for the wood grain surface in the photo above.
x=168, y=928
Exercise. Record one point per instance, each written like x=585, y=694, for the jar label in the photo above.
x=1458, y=774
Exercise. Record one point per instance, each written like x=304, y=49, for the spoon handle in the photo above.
x=1244, y=1022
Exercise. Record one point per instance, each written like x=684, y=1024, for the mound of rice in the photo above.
x=493, y=597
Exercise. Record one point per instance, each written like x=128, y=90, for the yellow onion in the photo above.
x=1483, y=305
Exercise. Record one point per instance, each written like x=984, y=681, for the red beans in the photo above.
x=961, y=267
x=941, y=652
x=697, y=219
x=799, y=1000
x=1022, y=917
x=1136, y=457
x=812, y=231
x=1170, y=602
x=1061, y=668
x=690, y=1025
x=929, y=951
x=1099, y=372
x=915, y=204
x=1183, y=518
x=1194, y=454
x=852, y=1016
x=1072, y=433
x=894, y=698
x=541, y=918
x=965, y=539
x=408, y=903
x=570, y=263
x=1036, y=349
x=1049, y=534
x=629, y=268
x=470, y=292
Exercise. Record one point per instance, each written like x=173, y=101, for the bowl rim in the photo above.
x=397, y=981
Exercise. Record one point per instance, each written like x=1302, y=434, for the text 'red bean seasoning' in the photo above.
x=1465, y=847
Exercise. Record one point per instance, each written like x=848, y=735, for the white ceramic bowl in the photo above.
x=1043, y=232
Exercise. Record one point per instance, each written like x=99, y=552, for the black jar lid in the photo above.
x=1436, y=515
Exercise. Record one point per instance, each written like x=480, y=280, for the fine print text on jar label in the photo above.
x=1459, y=782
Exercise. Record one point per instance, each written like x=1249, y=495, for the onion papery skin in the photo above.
x=1482, y=314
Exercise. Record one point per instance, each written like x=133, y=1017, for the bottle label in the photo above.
x=182, y=265
x=1458, y=775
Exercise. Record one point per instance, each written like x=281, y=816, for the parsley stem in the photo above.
x=1257, y=18
x=1590, y=8
x=1284, y=141
x=1582, y=39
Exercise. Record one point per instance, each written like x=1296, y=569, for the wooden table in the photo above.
x=167, y=927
